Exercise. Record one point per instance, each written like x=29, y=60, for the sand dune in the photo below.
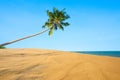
x=36, y=64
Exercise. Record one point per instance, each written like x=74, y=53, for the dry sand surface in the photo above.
x=36, y=64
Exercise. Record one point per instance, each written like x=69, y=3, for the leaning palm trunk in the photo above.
x=56, y=20
x=4, y=44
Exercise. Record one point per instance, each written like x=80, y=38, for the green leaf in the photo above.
x=55, y=28
x=56, y=19
x=43, y=26
x=50, y=32
x=2, y=47
x=60, y=27
x=47, y=12
x=65, y=23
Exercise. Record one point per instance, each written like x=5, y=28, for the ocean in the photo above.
x=103, y=53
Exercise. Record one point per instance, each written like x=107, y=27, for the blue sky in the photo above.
x=95, y=24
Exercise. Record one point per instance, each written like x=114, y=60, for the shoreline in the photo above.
x=101, y=53
x=43, y=64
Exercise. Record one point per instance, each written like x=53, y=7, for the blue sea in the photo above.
x=103, y=53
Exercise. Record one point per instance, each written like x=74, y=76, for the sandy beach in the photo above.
x=40, y=64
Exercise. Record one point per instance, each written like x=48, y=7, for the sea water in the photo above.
x=103, y=53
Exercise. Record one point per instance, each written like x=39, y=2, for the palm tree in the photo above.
x=56, y=20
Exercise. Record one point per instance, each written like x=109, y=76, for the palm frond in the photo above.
x=43, y=26
x=60, y=26
x=65, y=23
x=51, y=31
x=56, y=20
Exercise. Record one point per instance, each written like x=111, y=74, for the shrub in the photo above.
x=2, y=47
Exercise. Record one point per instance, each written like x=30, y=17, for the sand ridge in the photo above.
x=40, y=64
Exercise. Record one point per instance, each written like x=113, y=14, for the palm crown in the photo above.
x=56, y=20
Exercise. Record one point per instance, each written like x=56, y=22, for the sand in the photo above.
x=40, y=64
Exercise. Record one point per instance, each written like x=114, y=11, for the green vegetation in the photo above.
x=56, y=20
x=2, y=47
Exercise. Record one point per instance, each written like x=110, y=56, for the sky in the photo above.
x=94, y=24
